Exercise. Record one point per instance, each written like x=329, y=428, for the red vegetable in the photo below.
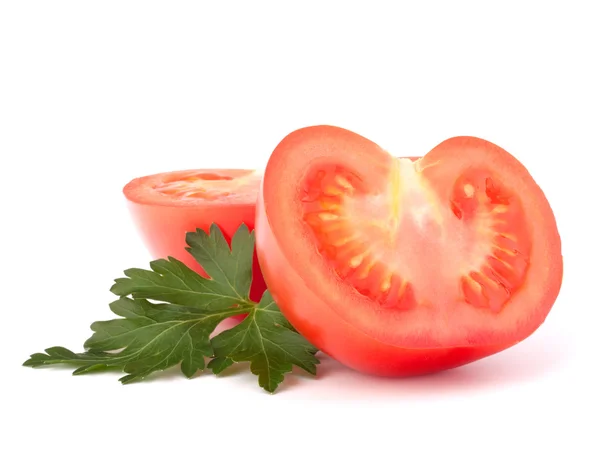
x=402, y=267
x=166, y=206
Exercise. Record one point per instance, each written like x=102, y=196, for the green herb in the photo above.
x=176, y=327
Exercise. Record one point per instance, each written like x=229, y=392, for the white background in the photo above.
x=93, y=94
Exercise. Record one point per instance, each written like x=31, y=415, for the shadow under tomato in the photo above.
x=528, y=361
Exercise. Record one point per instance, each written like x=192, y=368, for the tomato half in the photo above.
x=166, y=206
x=399, y=266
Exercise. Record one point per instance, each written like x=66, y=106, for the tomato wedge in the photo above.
x=403, y=267
x=165, y=206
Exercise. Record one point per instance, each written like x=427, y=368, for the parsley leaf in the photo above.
x=151, y=337
x=266, y=340
x=172, y=281
x=175, y=328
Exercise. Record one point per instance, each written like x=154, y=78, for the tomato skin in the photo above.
x=303, y=292
x=163, y=225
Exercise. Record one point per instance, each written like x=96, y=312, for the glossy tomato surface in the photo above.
x=402, y=266
x=166, y=206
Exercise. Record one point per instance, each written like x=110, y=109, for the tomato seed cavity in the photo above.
x=483, y=203
x=348, y=242
x=202, y=185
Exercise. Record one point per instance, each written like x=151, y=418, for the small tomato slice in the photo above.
x=402, y=266
x=166, y=206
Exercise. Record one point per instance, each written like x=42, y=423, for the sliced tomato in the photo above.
x=166, y=206
x=399, y=266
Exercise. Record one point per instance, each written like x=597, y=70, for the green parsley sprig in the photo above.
x=168, y=314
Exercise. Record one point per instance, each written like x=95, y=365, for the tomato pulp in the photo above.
x=399, y=266
x=166, y=206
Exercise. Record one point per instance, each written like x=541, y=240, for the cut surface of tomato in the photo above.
x=403, y=266
x=165, y=206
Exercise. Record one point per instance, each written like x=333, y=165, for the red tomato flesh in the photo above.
x=399, y=266
x=166, y=206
